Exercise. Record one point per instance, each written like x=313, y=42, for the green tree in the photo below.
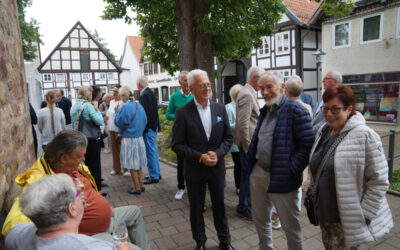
x=187, y=34
x=103, y=44
x=338, y=8
x=29, y=31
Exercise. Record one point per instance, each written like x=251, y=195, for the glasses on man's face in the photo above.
x=335, y=109
x=204, y=85
x=327, y=78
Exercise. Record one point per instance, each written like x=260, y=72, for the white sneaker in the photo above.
x=276, y=224
x=179, y=194
x=127, y=173
x=113, y=173
x=107, y=151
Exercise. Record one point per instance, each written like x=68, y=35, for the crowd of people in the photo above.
x=278, y=151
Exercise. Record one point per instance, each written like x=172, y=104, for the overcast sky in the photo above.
x=57, y=17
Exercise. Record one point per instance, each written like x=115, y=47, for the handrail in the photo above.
x=392, y=139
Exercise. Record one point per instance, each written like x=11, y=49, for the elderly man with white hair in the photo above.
x=278, y=154
x=201, y=134
x=247, y=112
x=55, y=206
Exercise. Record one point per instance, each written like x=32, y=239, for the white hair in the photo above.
x=234, y=90
x=337, y=76
x=274, y=74
x=143, y=81
x=294, y=85
x=46, y=200
x=182, y=73
x=126, y=93
x=192, y=74
x=254, y=71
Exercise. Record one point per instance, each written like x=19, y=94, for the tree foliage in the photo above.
x=102, y=42
x=337, y=8
x=234, y=26
x=29, y=31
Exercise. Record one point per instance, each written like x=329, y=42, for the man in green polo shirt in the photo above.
x=177, y=100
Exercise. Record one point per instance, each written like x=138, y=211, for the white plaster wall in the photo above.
x=382, y=56
x=130, y=62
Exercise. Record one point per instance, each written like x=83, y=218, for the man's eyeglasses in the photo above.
x=203, y=86
x=335, y=110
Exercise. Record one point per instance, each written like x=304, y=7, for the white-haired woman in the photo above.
x=131, y=121
x=90, y=113
x=103, y=107
x=231, y=110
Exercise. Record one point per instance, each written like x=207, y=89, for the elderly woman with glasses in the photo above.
x=351, y=189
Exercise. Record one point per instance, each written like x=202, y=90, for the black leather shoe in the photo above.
x=148, y=177
x=150, y=181
x=226, y=247
x=104, y=194
x=104, y=185
x=200, y=247
x=245, y=214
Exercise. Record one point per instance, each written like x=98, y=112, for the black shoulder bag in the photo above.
x=309, y=201
x=88, y=128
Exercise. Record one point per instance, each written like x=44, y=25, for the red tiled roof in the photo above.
x=136, y=43
x=303, y=9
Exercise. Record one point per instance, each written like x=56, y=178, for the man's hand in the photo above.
x=105, y=118
x=116, y=107
x=123, y=246
x=209, y=159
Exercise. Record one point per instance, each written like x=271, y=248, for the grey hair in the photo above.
x=106, y=96
x=182, y=73
x=192, y=74
x=46, y=200
x=64, y=143
x=274, y=74
x=143, y=81
x=85, y=92
x=126, y=93
x=234, y=90
x=294, y=85
x=337, y=76
x=254, y=71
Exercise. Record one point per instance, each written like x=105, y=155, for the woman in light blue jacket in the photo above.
x=90, y=113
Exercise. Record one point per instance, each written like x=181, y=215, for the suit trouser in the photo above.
x=132, y=217
x=180, y=170
x=196, y=187
x=237, y=169
x=286, y=205
x=92, y=160
x=115, y=149
x=153, y=165
x=244, y=194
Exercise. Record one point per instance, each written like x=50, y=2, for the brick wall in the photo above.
x=16, y=142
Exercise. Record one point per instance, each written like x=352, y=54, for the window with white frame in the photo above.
x=85, y=77
x=265, y=46
x=76, y=77
x=341, y=35
x=398, y=24
x=60, y=78
x=110, y=76
x=282, y=43
x=102, y=76
x=47, y=77
x=285, y=74
x=371, y=28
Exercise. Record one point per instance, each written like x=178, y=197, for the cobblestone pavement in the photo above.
x=167, y=220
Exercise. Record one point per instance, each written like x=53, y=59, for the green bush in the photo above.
x=164, y=137
x=395, y=185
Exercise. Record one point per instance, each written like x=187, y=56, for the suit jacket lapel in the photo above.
x=213, y=118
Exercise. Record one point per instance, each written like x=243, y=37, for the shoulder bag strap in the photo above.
x=133, y=118
x=314, y=183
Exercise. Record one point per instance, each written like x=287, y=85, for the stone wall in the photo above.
x=16, y=142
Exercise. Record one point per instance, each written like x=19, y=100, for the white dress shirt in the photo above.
x=205, y=116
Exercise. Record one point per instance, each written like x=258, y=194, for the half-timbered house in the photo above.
x=78, y=60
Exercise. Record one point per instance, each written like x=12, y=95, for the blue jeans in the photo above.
x=153, y=165
x=244, y=194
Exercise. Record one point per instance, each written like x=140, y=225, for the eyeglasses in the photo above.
x=328, y=78
x=204, y=85
x=335, y=110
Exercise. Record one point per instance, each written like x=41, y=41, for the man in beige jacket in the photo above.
x=247, y=112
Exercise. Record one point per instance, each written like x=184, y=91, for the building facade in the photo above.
x=78, y=60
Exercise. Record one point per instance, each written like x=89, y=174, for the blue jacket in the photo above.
x=123, y=117
x=292, y=141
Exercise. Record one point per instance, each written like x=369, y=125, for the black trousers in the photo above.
x=92, y=160
x=214, y=177
x=180, y=169
x=237, y=168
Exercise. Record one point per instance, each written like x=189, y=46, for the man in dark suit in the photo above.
x=149, y=103
x=202, y=135
x=65, y=104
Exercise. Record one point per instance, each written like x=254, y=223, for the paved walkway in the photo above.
x=167, y=220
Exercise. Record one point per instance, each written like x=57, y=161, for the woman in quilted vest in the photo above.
x=351, y=189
